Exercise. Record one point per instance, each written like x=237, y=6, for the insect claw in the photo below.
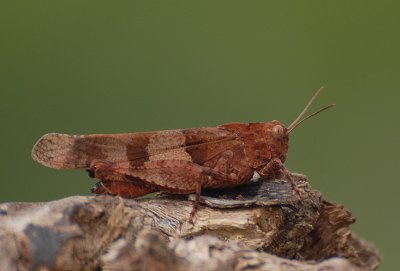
x=296, y=190
x=196, y=203
x=192, y=214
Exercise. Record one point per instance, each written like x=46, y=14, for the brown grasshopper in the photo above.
x=174, y=161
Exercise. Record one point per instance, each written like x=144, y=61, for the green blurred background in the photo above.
x=123, y=66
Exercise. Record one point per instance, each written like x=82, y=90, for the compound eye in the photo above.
x=278, y=131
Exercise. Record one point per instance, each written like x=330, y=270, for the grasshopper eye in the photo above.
x=277, y=131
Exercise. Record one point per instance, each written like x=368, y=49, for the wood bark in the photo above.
x=259, y=226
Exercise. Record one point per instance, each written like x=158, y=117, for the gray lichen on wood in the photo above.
x=261, y=226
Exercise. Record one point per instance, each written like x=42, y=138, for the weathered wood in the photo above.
x=261, y=226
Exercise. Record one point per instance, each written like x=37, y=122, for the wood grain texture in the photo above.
x=261, y=226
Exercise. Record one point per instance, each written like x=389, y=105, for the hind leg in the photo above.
x=180, y=177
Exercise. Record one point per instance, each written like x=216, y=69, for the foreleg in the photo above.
x=276, y=170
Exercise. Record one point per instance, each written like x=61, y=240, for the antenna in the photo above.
x=300, y=118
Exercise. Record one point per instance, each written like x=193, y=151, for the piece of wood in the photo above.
x=261, y=226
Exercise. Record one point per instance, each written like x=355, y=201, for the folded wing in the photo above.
x=197, y=145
